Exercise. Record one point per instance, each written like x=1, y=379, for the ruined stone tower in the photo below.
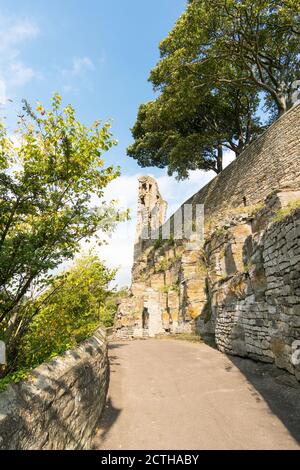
x=140, y=314
x=151, y=213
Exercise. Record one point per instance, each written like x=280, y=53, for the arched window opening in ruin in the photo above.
x=145, y=318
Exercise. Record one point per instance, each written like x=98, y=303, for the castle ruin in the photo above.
x=243, y=285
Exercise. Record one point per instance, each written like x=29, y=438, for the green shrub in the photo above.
x=70, y=310
x=158, y=243
x=48, y=182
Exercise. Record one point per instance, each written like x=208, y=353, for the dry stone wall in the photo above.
x=253, y=272
x=269, y=163
x=59, y=405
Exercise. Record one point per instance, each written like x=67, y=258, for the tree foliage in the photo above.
x=185, y=129
x=47, y=186
x=75, y=303
x=71, y=308
x=221, y=59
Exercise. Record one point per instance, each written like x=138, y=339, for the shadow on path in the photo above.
x=279, y=389
x=110, y=413
x=168, y=394
x=109, y=417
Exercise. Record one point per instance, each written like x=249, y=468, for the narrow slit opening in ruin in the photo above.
x=145, y=318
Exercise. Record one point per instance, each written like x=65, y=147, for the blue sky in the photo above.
x=98, y=55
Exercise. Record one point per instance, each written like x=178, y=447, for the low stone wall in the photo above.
x=59, y=405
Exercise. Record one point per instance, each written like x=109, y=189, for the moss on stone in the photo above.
x=286, y=211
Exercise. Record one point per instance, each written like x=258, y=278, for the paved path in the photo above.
x=171, y=394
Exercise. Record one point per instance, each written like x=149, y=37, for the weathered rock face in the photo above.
x=253, y=273
x=59, y=406
x=165, y=288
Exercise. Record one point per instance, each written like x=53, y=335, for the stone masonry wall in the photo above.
x=271, y=162
x=59, y=405
x=253, y=272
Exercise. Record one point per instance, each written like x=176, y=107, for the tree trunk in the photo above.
x=238, y=150
x=220, y=159
x=281, y=103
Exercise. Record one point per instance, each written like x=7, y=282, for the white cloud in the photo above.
x=20, y=74
x=2, y=91
x=16, y=32
x=79, y=66
x=68, y=88
x=13, y=72
x=23, y=30
x=78, y=70
x=119, y=251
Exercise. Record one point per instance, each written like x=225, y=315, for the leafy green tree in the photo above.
x=70, y=309
x=47, y=187
x=184, y=129
x=248, y=43
x=217, y=64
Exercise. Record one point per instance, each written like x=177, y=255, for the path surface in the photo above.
x=172, y=394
